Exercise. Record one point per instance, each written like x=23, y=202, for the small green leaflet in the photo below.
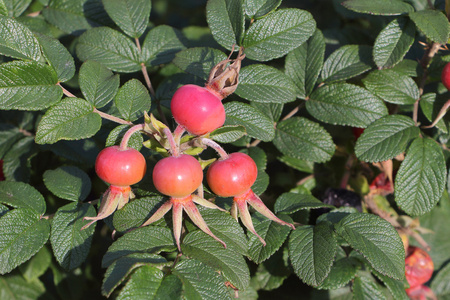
x=304, y=139
x=22, y=195
x=17, y=41
x=37, y=265
x=393, y=42
x=256, y=9
x=441, y=283
x=228, y=134
x=132, y=16
x=16, y=7
x=292, y=202
x=379, y=7
x=17, y=287
x=28, y=86
x=68, y=182
x=115, y=137
x=198, y=61
x=133, y=100
x=433, y=24
x=386, y=138
x=366, y=289
x=345, y=104
x=226, y=21
x=278, y=33
x=71, y=119
x=22, y=234
x=421, y=178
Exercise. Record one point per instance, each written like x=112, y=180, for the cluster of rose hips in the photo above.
x=198, y=111
x=418, y=270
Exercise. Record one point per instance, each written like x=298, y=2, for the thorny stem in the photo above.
x=210, y=143
x=128, y=134
x=424, y=62
x=102, y=114
x=374, y=208
x=173, y=145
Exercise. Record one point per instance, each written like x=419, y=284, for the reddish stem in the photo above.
x=128, y=134
x=210, y=143
x=178, y=133
x=173, y=145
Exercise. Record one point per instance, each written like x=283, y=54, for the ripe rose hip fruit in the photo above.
x=418, y=266
x=357, y=132
x=445, y=76
x=198, y=109
x=120, y=168
x=420, y=292
x=232, y=176
x=177, y=176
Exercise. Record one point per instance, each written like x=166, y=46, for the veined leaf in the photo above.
x=261, y=83
x=377, y=240
x=22, y=234
x=68, y=182
x=28, y=86
x=226, y=21
x=256, y=9
x=133, y=100
x=71, y=244
x=421, y=178
x=441, y=283
x=311, y=251
x=16, y=287
x=115, y=137
x=292, y=202
x=22, y=195
x=109, y=47
x=379, y=7
x=37, y=265
x=228, y=134
x=198, y=61
x=393, y=42
x=16, y=7
x=71, y=119
x=132, y=16
x=278, y=33
x=161, y=44
x=433, y=24
x=345, y=104
x=304, y=139
x=386, y=138
x=17, y=41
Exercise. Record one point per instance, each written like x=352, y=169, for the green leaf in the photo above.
x=119, y=270
x=256, y=9
x=345, y=104
x=148, y=239
x=392, y=87
x=342, y=271
x=150, y=283
x=22, y=234
x=199, y=245
x=265, y=84
x=16, y=161
x=347, y=62
x=17, y=41
x=116, y=135
x=271, y=110
x=71, y=119
x=304, y=139
x=365, y=289
x=225, y=227
x=57, y=56
x=441, y=283
x=132, y=16
x=136, y=212
x=22, y=195
x=3, y=9
x=9, y=135
x=311, y=251
x=257, y=125
x=258, y=155
x=278, y=34
x=386, y=138
x=16, y=7
x=433, y=24
x=133, y=100
x=74, y=17
x=226, y=21
x=161, y=44
x=71, y=244
x=431, y=106
x=379, y=7
x=228, y=134
x=68, y=182
x=271, y=274
x=421, y=178
x=200, y=281
x=303, y=64
x=298, y=164
x=28, y=86
x=109, y=47
x=393, y=42
x=377, y=240
x=273, y=233
x=37, y=265
x=97, y=83
x=396, y=287
x=290, y=203
x=14, y=287
x=198, y=61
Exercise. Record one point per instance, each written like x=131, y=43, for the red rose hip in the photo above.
x=418, y=266
x=177, y=176
x=445, y=76
x=120, y=167
x=232, y=176
x=198, y=109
